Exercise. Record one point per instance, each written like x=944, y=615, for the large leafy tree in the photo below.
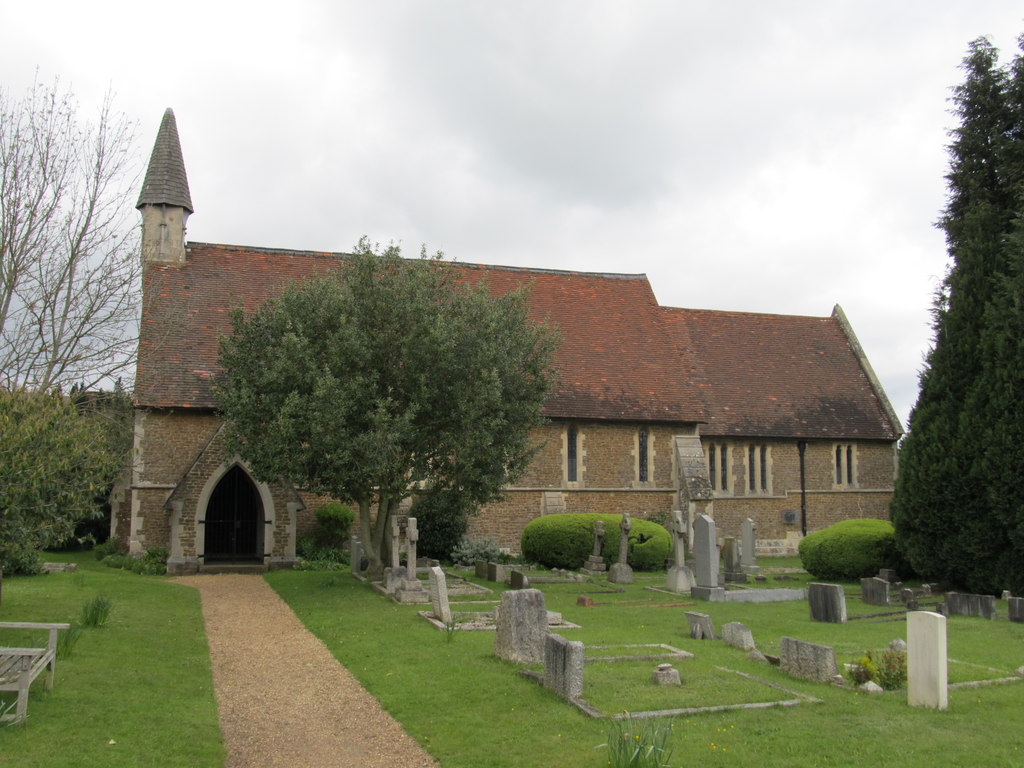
x=386, y=376
x=959, y=505
x=56, y=465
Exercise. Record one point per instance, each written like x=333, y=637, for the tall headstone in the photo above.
x=409, y=589
x=395, y=540
x=680, y=577
x=439, y=595
x=595, y=563
x=621, y=572
x=927, y=673
x=411, y=537
x=808, y=661
x=563, y=666
x=748, y=546
x=731, y=555
x=355, y=555
x=705, y=554
x=521, y=627
x=828, y=602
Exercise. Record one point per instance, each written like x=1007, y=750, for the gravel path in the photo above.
x=283, y=699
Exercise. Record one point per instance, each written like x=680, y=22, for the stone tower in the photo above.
x=165, y=202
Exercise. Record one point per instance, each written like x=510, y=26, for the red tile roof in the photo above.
x=616, y=360
x=781, y=376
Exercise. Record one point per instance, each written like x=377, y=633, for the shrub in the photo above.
x=153, y=563
x=470, y=550
x=851, y=549
x=313, y=557
x=15, y=558
x=442, y=518
x=892, y=670
x=333, y=524
x=567, y=540
x=108, y=547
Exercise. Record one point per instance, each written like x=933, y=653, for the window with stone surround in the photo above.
x=845, y=465
x=759, y=474
x=718, y=467
x=643, y=456
x=572, y=440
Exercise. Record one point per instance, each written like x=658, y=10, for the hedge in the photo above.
x=851, y=549
x=567, y=540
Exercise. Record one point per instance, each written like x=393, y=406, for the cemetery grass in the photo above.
x=469, y=709
x=136, y=691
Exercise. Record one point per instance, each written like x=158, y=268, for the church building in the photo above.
x=777, y=418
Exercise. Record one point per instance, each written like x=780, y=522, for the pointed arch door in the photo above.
x=234, y=520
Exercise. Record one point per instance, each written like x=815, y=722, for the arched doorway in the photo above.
x=234, y=520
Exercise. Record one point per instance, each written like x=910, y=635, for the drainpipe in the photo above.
x=801, y=447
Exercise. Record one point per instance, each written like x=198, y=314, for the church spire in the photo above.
x=165, y=202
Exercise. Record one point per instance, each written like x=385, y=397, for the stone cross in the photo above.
x=625, y=526
x=395, y=532
x=412, y=536
x=679, y=538
x=598, y=538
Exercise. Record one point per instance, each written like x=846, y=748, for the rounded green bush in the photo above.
x=333, y=522
x=567, y=540
x=851, y=549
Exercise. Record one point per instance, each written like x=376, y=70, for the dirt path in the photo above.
x=283, y=699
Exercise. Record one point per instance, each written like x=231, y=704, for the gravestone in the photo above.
x=680, y=577
x=731, y=560
x=828, y=602
x=355, y=555
x=927, y=673
x=705, y=554
x=521, y=627
x=738, y=636
x=808, y=661
x=519, y=580
x=410, y=590
x=958, y=604
x=620, y=572
x=496, y=572
x=665, y=674
x=874, y=591
x=481, y=569
x=748, y=547
x=701, y=626
x=595, y=563
x=888, y=574
x=395, y=535
x=439, y=595
x=1015, y=607
x=563, y=666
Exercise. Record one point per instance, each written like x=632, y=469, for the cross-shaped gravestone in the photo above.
x=395, y=533
x=411, y=536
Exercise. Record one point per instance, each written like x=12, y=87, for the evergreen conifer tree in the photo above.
x=959, y=454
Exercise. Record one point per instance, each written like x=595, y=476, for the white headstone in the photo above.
x=927, y=674
x=439, y=595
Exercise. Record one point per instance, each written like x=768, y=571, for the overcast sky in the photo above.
x=758, y=156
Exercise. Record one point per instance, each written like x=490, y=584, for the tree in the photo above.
x=388, y=375
x=55, y=466
x=958, y=508
x=68, y=244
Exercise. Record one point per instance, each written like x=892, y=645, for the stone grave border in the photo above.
x=581, y=703
x=484, y=621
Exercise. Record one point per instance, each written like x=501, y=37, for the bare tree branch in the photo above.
x=69, y=264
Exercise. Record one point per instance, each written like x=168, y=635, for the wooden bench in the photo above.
x=20, y=666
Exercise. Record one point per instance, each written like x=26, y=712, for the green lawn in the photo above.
x=471, y=710
x=135, y=692
x=143, y=681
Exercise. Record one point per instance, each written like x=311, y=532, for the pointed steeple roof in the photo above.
x=166, y=182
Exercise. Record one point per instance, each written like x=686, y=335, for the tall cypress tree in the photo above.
x=943, y=505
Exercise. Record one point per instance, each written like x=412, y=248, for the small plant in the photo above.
x=107, y=548
x=96, y=612
x=892, y=670
x=862, y=670
x=450, y=628
x=639, y=743
x=67, y=639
